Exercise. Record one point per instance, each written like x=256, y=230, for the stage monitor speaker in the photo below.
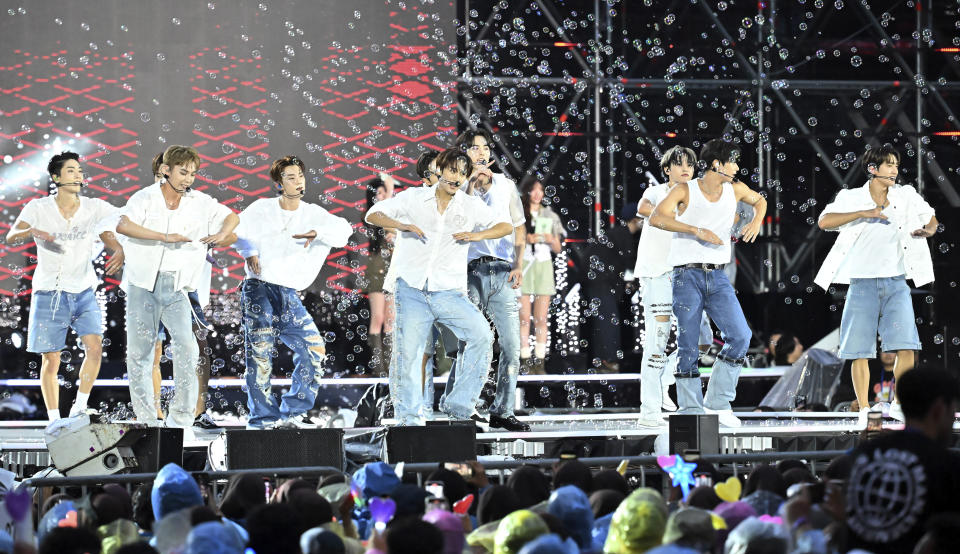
x=284, y=448
x=157, y=447
x=695, y=433
x=433, y=443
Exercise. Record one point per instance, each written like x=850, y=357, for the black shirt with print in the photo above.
x=897, y=482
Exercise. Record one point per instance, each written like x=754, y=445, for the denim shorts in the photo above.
x=877, y=305
x=53, y=312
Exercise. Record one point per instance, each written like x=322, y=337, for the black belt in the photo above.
x=705, y=267
x=486, y=260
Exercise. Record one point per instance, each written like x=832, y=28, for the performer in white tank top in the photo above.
x=701, y=214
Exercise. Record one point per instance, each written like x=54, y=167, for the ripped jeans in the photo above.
x=272, y=312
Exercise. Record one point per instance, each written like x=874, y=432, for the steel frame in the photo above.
x=763, y=91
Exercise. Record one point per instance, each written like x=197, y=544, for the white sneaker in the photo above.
x=726, y=417
x=896, y=412
x=667, y=404
x=302, y=421
x=862, y=417
x=650, y=423
x=77, y=411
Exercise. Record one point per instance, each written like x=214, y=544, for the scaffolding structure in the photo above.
x=756, y=79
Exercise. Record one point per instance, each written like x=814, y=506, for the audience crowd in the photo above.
x=898, y=492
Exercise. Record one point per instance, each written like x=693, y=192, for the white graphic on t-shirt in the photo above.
x=886, y=495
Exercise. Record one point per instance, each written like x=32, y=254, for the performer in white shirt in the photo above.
x=429, y=270
x=67, y=229
x=701, y=214
x=495, y=273
x=883, y=230
x=170, y=229
x=285, y=242
x=656, y=275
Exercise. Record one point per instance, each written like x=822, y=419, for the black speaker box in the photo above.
x=285, y=448
x=157, y=447
x=433, y=443
x=694, y=433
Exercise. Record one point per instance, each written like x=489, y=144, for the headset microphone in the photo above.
x=184, y=190
x=715, y=170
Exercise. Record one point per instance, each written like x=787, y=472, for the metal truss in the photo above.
x=759, y=95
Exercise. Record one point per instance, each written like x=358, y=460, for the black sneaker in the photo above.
x=204, y=421
x=510, y=423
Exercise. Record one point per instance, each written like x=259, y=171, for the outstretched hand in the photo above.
x=115, y=262
x=310, y=236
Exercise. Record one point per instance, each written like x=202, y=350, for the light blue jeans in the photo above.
x=696, y=291
x=272, y=312
x=145, y=310
x=417, y=311
x=488, y=287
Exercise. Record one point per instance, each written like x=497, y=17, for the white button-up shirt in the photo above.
x=67, y=264
x=266, y=230
x=502, y=196
x=197, y=216
x=911, y=213
x=437, y=262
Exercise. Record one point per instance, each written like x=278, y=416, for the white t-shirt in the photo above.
x=654, y=246
x=266, y=230
x=67, y=264
x=877, y=251
x=501, y=196
x=437, y=262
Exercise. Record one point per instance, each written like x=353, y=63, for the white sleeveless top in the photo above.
x=716, y=216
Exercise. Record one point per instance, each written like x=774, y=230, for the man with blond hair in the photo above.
x=169, y=229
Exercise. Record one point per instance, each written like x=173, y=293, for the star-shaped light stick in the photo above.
x=680, y=472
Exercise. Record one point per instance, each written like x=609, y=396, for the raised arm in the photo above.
x=136, y=231
x=744, y=193
x=645, y=208
x=501, y=229
x=664, y=217
x=384, y=213
x=19, y=232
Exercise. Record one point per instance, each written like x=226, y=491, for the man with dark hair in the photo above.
x=882, y=242
x=67, y=229
x=436, y=225
x=656, y=275
x=170, y=229
x=426, y=169
x=413, y=536
x=69, y=540
x=285, y=242
x=902, y=478
x=274, y=529
x=701, y=214
x=494, y=274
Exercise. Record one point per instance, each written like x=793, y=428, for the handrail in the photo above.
x=493, y=465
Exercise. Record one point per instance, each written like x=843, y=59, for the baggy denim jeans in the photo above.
x=145, y=310
x=489, y=288
x=272, y=312
x=417, y=311
x=696, y=291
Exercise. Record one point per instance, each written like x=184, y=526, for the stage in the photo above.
x=589, y=435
